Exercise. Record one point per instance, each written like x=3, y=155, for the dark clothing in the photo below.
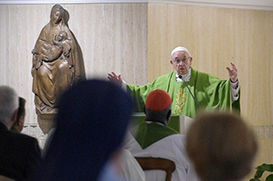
x=20, y=154
x=91, y=123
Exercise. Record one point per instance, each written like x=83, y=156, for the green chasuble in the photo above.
x=211, y=93
x=149, y=133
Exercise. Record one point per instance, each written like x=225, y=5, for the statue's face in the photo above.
x=56, y=16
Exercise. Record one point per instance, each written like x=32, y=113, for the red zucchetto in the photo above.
x=158, y=100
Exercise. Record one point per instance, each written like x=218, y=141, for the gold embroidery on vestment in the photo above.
x=180, y=99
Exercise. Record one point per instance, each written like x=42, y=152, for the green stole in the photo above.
x=149, y=133
x=211, y=93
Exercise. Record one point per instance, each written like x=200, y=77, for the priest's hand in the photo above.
x=233, y=72
x=113, y=77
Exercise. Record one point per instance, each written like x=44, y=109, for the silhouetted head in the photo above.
x=158, y=107
x=8, y=105
x=221, y=146
x=91, y=123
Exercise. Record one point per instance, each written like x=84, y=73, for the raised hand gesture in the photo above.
x=113, y=77
x=233, y=72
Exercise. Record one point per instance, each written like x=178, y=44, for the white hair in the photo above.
x=9, y=102
x=180, y=49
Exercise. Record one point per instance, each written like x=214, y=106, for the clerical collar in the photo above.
x=186, y=77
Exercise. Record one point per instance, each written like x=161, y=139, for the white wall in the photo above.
x=242, y=4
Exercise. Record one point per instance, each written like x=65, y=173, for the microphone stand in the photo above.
x=197, y=105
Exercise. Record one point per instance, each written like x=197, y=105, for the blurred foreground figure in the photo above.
x=91, y=122
x=19, y=153
x=221, y=146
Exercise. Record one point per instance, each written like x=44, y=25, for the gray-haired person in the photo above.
x=19, y=153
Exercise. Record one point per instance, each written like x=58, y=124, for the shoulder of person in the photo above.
x=179, y=139
x=204, y=75
x=25, y=139
x=166, y=76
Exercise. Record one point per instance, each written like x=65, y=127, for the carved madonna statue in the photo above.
x=57, y=64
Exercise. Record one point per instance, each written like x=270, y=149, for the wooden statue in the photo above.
x=57, y=64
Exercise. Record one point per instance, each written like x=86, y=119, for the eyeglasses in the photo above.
x=184, y=60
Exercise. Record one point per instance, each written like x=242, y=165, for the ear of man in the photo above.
x=14, y=118
x=169, y=116
x=20, y=121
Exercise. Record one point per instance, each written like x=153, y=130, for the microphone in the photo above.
x=197, y=105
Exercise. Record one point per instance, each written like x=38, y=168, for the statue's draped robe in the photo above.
x=210, y=92
x=51, y=72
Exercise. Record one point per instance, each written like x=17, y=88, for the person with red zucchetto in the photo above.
x=153, y=138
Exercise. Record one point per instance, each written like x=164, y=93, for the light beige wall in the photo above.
x=113, y=37
x=215, y=37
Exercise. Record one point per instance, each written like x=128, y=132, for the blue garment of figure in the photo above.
x=92, y=120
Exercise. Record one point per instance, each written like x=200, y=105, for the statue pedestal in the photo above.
x=46, y=121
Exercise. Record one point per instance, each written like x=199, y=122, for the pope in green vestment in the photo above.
x=158, y=114
x=210, y=92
